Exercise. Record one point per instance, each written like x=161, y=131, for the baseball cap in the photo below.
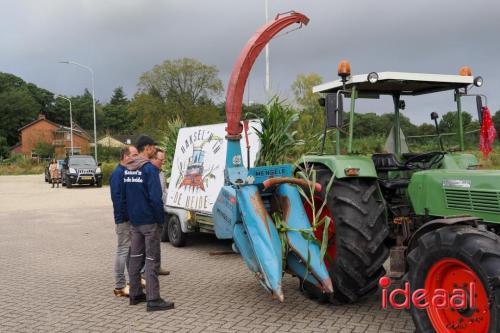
x=144, y=141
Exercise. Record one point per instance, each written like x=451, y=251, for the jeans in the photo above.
x=145, y=244
x=122, y=253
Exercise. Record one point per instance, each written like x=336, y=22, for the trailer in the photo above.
x=197, y=177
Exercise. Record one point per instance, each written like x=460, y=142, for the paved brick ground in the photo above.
x=56, y=276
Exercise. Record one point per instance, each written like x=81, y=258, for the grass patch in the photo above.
x=17, y=165
x=12, y=170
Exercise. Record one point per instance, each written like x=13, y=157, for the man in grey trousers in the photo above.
x=143, y=199
x=122, y=224
x=158, y=160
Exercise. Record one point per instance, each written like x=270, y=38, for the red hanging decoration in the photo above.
x=488, y=133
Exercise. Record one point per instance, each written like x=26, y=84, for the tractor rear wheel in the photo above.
x=452, y=258
x=356, y=243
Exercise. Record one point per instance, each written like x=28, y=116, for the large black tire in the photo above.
x=68, y=183
x=99, y=183
x=360, y=231
x=164, y=229
x=175, y=235
x=471, y=250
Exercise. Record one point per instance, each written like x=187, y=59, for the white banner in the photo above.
x=198, y=166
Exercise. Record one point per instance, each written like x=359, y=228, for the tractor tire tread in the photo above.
x=360, y=233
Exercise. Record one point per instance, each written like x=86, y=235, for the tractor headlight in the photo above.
x=71, y=170
x=373, y=77
x=478, y=81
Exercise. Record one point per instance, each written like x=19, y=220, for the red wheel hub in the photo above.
x=450, y=274
x=318, y=201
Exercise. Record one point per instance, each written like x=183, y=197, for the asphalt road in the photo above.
x=57, y=251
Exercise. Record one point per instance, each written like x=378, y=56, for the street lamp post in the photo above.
x=70, y=121
x=93, y=98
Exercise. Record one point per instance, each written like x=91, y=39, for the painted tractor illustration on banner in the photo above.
x=194, y=171
x=435, y=214
x=195, y=176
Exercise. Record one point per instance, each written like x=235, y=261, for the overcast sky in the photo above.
x=121, y=39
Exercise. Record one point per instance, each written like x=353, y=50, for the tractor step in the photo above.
x=397, y=262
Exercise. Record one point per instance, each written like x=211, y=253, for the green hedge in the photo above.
x=107, y=168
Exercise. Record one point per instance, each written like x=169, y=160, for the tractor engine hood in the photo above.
x=447, y=193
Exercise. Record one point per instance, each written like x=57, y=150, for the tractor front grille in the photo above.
x=474, y=200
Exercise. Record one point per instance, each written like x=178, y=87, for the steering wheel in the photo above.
x=424, y=161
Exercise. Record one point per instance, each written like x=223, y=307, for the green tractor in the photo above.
x=434, y=214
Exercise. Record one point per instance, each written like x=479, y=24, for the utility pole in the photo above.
x=93, y=98
x=70, y=120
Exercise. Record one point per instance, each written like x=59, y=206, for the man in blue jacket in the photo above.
x=122, y=224
x=143, y=199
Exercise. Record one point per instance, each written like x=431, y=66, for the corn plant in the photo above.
x=308, y=195
x=169, y=142
x=277, y=137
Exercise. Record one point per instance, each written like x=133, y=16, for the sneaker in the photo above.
x=159, y=305
x=123, y=292
x=163, y=271
x=137, y=299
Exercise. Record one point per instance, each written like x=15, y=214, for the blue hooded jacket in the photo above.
x=142, y=195
x=116, y=187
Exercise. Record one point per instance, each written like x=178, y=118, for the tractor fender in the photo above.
x=438, y=223
x=338, y=164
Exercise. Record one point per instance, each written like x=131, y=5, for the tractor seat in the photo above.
x=393, y=184
x=387, y=162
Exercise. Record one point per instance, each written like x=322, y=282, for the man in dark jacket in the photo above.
x=122, y=224
x=143, y=199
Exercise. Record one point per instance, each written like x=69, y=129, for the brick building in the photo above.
x=44, y=130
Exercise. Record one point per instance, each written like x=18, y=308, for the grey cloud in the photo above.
x=123, y=39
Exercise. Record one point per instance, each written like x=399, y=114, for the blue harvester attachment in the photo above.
x=242, y=213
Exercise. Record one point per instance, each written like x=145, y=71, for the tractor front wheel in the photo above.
x=457, y=258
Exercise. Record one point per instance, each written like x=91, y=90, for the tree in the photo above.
x=17, y=108
x=115, y=114
x=181, y=84
x=311, y=117
x=249, y=111
x=20, y=103
x=204, y=112
x=10, y=81
x=4, y=148
x=426, y=129
x=496, y=121
x=302, y=89
x=449, y=121
x=148, y=114
x=44, y=149
x=118, y=97
x=83, y=113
